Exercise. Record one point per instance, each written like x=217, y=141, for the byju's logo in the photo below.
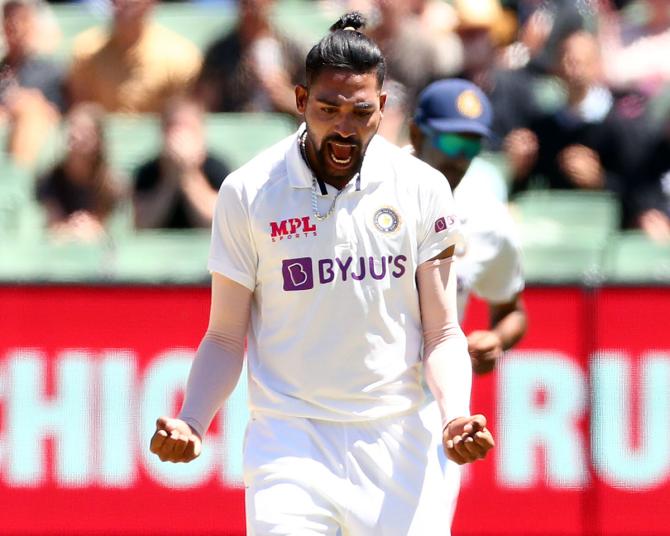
x=298, y=274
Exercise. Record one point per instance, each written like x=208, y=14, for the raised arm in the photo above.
x=215, y=371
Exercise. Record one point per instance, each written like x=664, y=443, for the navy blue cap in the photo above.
x=454, y=105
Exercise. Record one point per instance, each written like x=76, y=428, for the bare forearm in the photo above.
x=509, y=325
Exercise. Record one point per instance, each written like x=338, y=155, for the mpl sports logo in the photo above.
x=300, y=273
x=292, y=228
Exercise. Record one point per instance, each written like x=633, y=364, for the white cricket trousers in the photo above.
x=306, y=477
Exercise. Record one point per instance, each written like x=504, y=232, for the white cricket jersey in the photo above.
x=335, y=329
x=488, y=259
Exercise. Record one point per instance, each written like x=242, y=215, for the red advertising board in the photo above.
x=580, y=410
x=86, y=371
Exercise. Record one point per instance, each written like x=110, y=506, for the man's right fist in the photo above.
x=175, y=441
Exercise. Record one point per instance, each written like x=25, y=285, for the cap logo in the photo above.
x=469, y=104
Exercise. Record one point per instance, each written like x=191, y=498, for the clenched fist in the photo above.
x=175, y=441
x=466, y=439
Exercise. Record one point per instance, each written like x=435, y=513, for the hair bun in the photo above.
x=353, y=20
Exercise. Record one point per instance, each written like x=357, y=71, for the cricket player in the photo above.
x=333, y=251
x=450, y=123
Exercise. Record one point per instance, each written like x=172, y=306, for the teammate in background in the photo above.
x=451, y=120
x=333, y=250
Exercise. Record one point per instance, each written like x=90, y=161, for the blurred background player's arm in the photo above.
x=501, y=284
x=508, y=325
x=215, y=371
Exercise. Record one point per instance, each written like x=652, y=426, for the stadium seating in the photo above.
x=160, y=256
x=20, y=217
x=564, y=212
x=234, y=137
x=634, y=258
x=564, y=233
x=201, y=23
x=151, y=257
x=44, y=260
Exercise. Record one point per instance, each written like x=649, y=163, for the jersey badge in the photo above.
x=442, y=224
x=387, y=220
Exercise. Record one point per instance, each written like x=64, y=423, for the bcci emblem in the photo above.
x=387, y=220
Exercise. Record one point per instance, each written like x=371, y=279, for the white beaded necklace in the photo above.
x=315, y=208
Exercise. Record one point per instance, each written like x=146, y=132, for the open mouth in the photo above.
x=341, y=154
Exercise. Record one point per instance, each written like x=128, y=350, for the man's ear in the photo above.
x=382, y=101
x=415, y=137
x=301, y=93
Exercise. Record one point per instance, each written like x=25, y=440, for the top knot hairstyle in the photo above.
x=345, y=47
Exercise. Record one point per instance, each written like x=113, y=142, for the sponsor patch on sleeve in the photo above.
x=444, y=223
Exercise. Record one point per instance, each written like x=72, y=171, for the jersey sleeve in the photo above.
x=232, y=251
x=438, y=224
x=502, y=276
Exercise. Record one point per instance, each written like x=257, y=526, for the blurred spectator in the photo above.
x=477, y=21
x=636, y=57
x=532, y=36
x=81, y=191
x=509, y=79
x=414, y=57
x=545, y=27
x=393, y=124
x=254, y=67
x=30, y=86
x=178, y=188
x=135, y=66
x=649, y=195
x=438, y=18
x=587, y=142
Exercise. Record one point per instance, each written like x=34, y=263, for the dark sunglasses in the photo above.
x=454, y=145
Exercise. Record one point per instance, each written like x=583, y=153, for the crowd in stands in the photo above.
x=580, y=91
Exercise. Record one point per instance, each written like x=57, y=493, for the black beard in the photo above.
x=322, y=159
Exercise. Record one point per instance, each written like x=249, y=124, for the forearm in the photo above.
x=214, y=374
x=447, y=367
x=510, y=328
x=218, y=361
x=448, y=373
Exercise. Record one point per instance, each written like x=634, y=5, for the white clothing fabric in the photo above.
x=373, y=478
x=335, y=322
x=488, y=257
